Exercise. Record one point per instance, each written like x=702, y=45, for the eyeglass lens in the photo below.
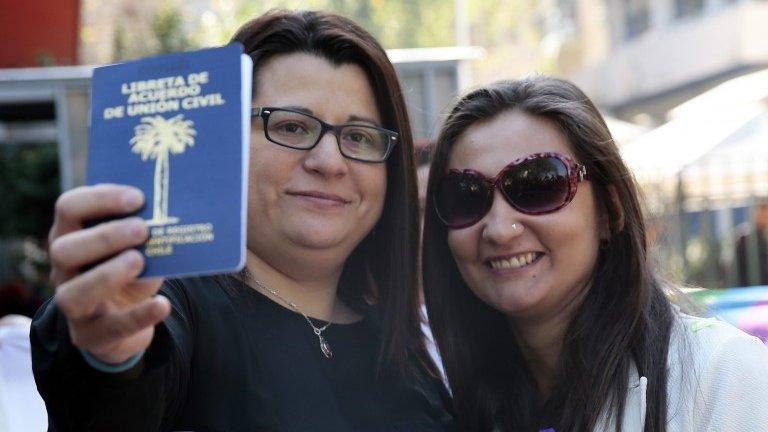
x=300, y=131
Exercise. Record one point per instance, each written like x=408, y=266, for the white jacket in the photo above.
x=717, y=381
x=21, y=407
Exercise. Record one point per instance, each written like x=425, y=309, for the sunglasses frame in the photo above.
x=576, y=173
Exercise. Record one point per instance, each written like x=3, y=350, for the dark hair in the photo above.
x=382, y=268
x=625, y=317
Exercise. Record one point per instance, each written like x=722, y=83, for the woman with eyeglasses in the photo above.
x=321, y=331
x=543, y=303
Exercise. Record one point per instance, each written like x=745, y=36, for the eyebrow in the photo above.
x=351, y=118
x=355, y=118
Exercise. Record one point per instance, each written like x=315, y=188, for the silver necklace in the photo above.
x=325, y=348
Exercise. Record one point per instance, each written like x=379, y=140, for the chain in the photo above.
x=325, y=348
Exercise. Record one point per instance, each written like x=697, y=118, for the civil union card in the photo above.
x=177, y=126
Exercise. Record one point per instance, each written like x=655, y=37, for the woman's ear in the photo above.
x=612, y=208
x=617, y=208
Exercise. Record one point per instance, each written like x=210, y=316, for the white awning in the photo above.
x=668, y=149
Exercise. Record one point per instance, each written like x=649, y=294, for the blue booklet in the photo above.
x=177, y=126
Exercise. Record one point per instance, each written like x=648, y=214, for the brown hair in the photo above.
x=382, y=268
x=625, y=317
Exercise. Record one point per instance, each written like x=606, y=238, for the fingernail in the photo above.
x=132, y=199
x=133, y=260
x=136, y=228
x=161, y=300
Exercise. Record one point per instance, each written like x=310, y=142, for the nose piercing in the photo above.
x=514, y=226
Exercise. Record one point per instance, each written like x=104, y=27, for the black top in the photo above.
x=229, y=359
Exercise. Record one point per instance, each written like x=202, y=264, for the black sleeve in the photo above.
x=144, y=398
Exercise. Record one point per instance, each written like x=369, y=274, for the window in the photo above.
x=568, y=11
x=688, y=8
x=412, y=81
x=637, y=18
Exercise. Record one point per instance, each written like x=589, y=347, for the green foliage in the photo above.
x=411, y=24
x=29, y=185
x=495, y=22
x=163, y=32
x=45, y=58
x=425, y=23
x=395, y=23
x=509, y=30
x=167, y=28
x=119, y=45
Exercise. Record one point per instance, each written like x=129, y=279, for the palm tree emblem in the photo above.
x=157, y=138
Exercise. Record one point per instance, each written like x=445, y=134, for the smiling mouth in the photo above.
x=321, y=197
x=514, y=262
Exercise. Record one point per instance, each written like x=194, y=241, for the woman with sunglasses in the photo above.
x=321, y=331
x=542, y=300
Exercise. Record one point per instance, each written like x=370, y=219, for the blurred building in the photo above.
x=638, y=59
x=660, y=53
x=432, y=78
x=39, y=33
x=50, y=105
x=45, y=103
x=114, y=30
x=696, y=73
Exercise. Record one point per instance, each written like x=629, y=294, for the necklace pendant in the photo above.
x=324, y=347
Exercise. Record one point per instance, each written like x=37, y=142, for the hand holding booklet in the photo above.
x=177, y=126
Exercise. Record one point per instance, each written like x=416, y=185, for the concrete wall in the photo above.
x=675, y=53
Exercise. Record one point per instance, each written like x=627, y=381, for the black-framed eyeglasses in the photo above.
x=299, y=130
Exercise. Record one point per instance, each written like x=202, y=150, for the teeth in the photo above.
x=513, y=262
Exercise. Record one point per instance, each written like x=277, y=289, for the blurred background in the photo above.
x=682, y=83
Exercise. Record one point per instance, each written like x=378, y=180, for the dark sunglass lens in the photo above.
x=537, y=185
x=462, y=199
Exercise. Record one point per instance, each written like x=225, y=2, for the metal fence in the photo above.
x=696, y=217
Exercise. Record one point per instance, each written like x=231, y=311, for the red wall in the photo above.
x=38, y=32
